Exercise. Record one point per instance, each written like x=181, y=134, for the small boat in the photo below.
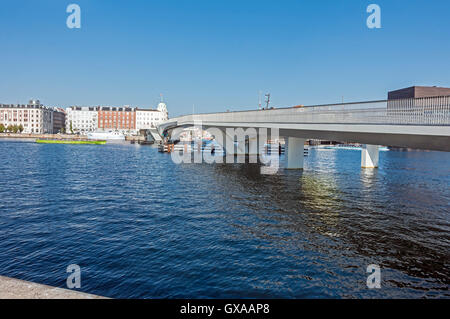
x=116, y=136
x=352, y=147
x=145, y=142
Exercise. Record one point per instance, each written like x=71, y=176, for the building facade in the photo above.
x=81, y=119
x=122, y=119
x=32, y=117
x=162, y=107
x=59, y=120
x=126, y=120
x=418, y=92
x=148, y=119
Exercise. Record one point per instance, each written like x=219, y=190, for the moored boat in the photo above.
x=106, y=136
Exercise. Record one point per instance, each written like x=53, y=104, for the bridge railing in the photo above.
x=415, y=111
x=427, y=111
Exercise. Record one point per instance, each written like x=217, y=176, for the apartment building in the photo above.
x=81, y=119
x=148, y=118
x=59, y=120
x=125, y=119
x=33, y=117
x=122, y=119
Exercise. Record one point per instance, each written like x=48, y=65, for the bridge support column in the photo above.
x=295, y=149
x=369, y=156
x=251, y=147
x=228, y=144
x=241, y=148
x=241, y=151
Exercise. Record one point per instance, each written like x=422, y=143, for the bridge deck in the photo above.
x=417, y=123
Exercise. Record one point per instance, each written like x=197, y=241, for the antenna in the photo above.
x=259, y=100
x=267, y=100
x=162, y=98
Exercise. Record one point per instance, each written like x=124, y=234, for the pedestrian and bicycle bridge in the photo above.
x=418, y=123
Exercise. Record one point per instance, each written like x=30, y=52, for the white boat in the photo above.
x=351, y=147
x=106, y=136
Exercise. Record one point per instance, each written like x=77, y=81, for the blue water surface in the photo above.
x=141, y=226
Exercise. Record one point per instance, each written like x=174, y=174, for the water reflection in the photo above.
x=344, y=218
x=369, y=177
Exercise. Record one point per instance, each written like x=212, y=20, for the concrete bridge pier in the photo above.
x=238, y=150
x=247, y=150
x=369, y=156
x=295, y=149
x=242, y=148
x=241, y=151
x=252, y=146
x=227, y=144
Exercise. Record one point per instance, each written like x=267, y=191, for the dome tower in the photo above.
x=162, y=107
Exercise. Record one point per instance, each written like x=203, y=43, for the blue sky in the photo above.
x=218, y=54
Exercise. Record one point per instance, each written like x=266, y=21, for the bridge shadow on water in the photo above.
x=348, y=220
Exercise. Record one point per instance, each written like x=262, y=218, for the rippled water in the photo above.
x=141, y=226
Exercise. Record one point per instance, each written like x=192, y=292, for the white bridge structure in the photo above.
x=419, y=123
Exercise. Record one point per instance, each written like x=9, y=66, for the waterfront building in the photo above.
x=162, y=107
x=59, y=120
x=32, y=117
x=121, y=119
x=81, y=119
x=148, y=118
x=418, y=92
x=125, y=120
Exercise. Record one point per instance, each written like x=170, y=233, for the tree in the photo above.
x=20, y=128
x=9, y=128
x=71, y=128
x=63, y=130
x=2, y=128
x=15, y=129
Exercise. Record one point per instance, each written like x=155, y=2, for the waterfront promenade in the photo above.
x=71, y=137
x=43, y=136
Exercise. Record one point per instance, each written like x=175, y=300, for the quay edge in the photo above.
x=11, y=288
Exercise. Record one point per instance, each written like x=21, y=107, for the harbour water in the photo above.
x=141, y=226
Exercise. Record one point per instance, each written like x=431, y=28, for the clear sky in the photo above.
x=218, y=54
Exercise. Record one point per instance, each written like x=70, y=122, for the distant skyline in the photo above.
x=217, y=55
